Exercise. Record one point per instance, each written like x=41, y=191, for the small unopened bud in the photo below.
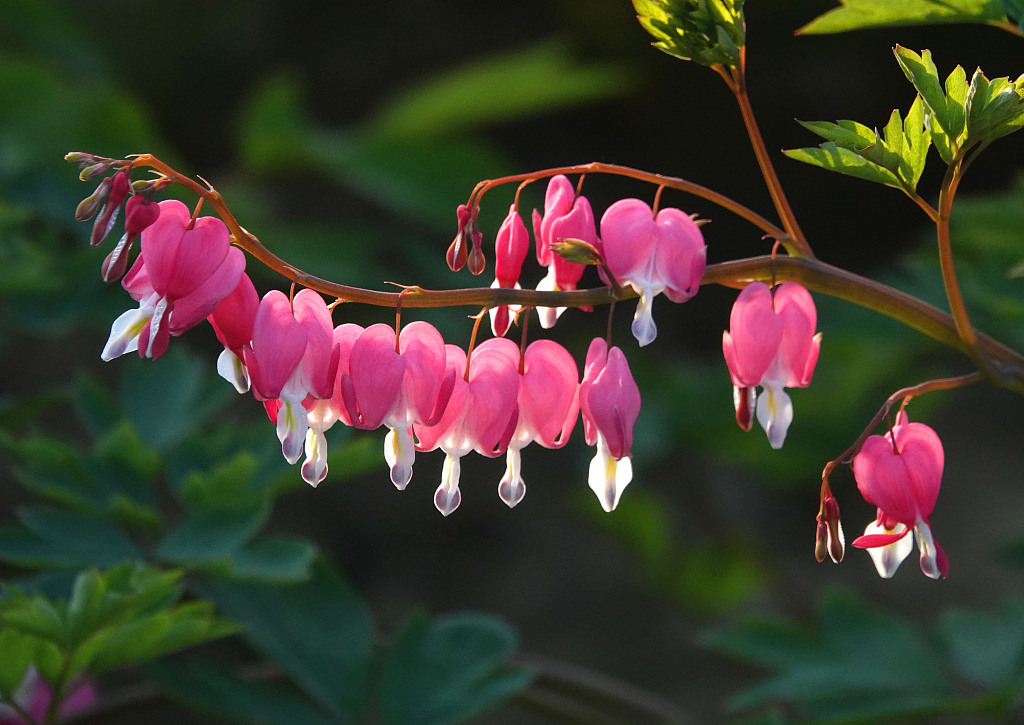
x=116, y=262
x=115, y=197
x=829, y=533
x=476, y=260
x=80, y=159
x=576, y=250
x=743, y=399
x=457, y=252
x=91, y=204
x=148, y=186
x=94, y=170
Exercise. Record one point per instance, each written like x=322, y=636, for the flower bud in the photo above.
x=91, y=204
x=115, y=197
x=94, y=170
x=457, y=254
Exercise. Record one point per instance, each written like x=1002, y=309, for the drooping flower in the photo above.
x=548, y=408
x=653, y=254
x=139, y=214
x=566, y=216
x=232, y=321
x=610, y=404
x=510, y=248
x=771, y=343
x=291, y=358
x=183, y=271
x=481, y=414
x=900, y=473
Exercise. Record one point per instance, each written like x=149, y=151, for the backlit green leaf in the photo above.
x=708, y=32
x=857, y=14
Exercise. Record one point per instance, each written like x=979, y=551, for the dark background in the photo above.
x=576, y=586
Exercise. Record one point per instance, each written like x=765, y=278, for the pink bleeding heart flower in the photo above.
x=322, y=413
x=900, y=473
x=291, y=358
x=232, y=322
x=610, y=404
x=653, y=254
x=771, y=343
x=181, y=274
x=548, y=408
x=566, y=216
x=481, y=414
x=510, y=248
x=423, y=397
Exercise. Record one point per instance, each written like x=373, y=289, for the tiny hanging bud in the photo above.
x=743, y=399
x=94, y=170
x=829, y=535
x=80, y=159
x=119, y=186
x=457, y=254
x=477, y=261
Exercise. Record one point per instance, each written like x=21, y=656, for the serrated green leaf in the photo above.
x=844, y=161
x=916, y=141
x=35, y=616
x=447, y=670
x=210, y=536
x=945, y=104
x=857, y=14
x=994, y=109
x=83, y=539
x=987, y=649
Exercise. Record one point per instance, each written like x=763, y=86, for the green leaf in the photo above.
x=845, y=161
x=708, y=32
x=448, y=670
x=319, y=631
x=945, y=104
x=18, y=650
x=211, y=690
x=206, y=537
x=274, y=560
x=510, y=86
x=994, y=109
x=987, y=649
x=79, y=538
x=857, y=14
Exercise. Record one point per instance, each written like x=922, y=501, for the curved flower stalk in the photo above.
x=900, y=473
x=291, y=358
x=770, y=343
x=548, y=408
x=184, y=270
x=653, y=253
x=566, y=216
x=481, y=414
x=610, y=404
x=510, y=248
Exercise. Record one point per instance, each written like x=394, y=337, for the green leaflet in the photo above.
x=857, y=14
x=709, y=32
x=895, y=157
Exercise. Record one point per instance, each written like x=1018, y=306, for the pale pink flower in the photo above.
x=291, y=358
x=566, y=216
x=481, y=414
x=771, y=343
x=610, y=403
x=900, y=473
x=652, y=254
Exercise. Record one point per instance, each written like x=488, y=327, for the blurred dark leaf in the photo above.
x=447, y=670
x=319, y=631
x=859, y=662
x=987, y=649
x=214, y=691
